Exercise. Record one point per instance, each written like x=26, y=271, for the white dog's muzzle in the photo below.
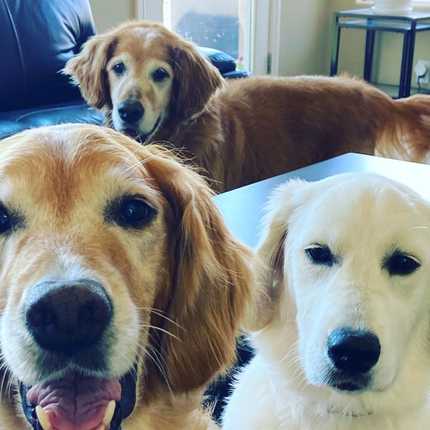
x=352, y=354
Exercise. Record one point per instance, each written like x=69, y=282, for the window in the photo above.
x=238, y=27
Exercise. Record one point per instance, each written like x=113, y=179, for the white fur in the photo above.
x=362, y=218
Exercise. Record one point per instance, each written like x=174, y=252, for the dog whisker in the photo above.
x=161, y=314
x=160, y=329
x=157, y=359
x=7, y=378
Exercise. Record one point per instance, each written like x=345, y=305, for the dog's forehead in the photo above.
x=364, y=210
x=60, y=148
x=143, y=43
x=64, y=161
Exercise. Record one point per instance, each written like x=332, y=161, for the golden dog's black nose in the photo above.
x=67, y=317
x=131, y=111
x=353, y=351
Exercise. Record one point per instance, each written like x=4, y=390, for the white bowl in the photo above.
x=392, y=6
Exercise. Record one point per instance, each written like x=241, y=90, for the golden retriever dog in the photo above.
x=342, y=326
x=155, y=86
x=121, y=289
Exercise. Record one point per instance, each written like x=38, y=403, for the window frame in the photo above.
x=265, y=26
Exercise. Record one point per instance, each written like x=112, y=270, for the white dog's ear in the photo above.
x=269, y=265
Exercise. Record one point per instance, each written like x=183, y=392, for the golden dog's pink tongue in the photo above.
x=75, y=402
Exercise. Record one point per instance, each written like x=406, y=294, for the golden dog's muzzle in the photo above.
x=69, y=322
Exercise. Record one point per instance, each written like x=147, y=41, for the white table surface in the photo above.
x=243, y=208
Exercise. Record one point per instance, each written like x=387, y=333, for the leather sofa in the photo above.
x=37, y=37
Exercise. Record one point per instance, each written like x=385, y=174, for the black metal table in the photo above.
x=408, y=24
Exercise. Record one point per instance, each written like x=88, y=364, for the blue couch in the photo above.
x=37, y=37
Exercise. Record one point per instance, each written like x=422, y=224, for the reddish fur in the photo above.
x=247, y=130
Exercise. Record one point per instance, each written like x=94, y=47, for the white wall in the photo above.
x=305, y=37
x=109, y=13
x=351, y=57
x=307, y=31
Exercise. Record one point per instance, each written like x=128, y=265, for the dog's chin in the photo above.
x=348, y=412
x=143, y=136
x=348, y=385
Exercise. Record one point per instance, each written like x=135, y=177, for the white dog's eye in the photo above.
x=320, y=254
x=160, y=75
x=119, y=68
x=401, y=264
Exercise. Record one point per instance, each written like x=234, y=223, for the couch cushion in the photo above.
x=37, y=37
x=75, y=112
x=221, y=60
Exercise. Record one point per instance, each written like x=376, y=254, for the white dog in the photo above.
x=342, y=327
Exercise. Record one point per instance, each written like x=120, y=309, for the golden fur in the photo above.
x=183, y=275
x=246, y=130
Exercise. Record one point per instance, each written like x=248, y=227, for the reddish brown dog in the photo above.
x=155, y=86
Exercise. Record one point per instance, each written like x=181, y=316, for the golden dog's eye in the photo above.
x=160, y=75
x=130, y=212
x=401, y=264
x=320, y=254
x=119, y=68
x=8, y=220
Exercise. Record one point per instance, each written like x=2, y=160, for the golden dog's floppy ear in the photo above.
x=211, y=283
x=88, y=70
x=269, y=259
x=195, y=80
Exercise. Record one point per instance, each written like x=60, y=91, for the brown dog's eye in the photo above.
x=130, y=212
x=401, y=264
x=160, y=75
x=320, y=254
x=119, y=68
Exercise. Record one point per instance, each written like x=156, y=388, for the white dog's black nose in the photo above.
x=131, y=111
x=353, y=351
x=67, y=317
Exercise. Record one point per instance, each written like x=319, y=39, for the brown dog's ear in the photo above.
x=211, y=284
x=269, y=264
x=195, y=80
x=88, y=70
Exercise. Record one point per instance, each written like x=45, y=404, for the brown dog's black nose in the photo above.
x=67, y=317
x=131, y=111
